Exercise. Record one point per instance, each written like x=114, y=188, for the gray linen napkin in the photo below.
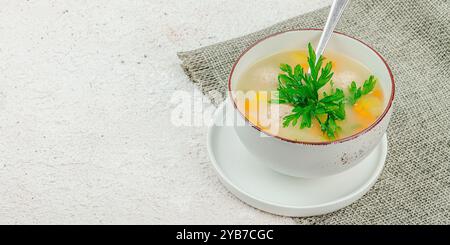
x=414, y=37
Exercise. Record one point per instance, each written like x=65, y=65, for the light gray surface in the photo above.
x=84, y=99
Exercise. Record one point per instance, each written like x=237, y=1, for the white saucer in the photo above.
x=280, y=194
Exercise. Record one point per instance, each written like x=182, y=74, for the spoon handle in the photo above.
x=337, y=8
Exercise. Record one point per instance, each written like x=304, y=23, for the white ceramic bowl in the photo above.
x=313, y=159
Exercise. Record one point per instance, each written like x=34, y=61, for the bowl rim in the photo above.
x=348, y=138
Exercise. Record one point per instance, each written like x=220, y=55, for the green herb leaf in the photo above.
x=286, y=68
x=356, y=93
x=306, y=117
x=369, y=85
x=301, y=90
x=335, y=97
x=298, y=73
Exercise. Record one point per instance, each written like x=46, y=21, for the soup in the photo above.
x=257, y=86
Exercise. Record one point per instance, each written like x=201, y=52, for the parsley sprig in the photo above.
x=301, y=90
x=356, y=93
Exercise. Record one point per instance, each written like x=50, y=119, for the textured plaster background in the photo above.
x=85, y=132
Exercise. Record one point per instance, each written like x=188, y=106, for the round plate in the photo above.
x=280, y=194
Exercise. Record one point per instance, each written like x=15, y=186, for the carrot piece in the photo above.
x=377, y=93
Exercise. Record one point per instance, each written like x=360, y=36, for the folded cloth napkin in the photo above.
x=414, y=37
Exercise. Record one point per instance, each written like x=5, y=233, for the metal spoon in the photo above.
x=337, y=8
